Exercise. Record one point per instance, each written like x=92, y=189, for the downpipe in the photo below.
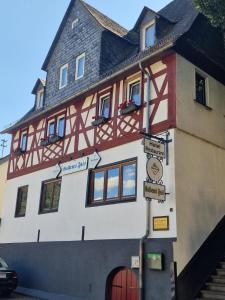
x=148, y=201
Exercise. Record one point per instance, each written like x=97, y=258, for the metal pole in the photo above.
x=148, y=201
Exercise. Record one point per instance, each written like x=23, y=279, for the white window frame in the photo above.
x=39, y=104
x=107, y=95
x=77, y=61
x=66, y=66
x=143, y=33
x=129, y=88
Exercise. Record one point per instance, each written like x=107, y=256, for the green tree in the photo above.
x=214, y=10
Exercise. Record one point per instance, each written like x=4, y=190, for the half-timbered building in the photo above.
x=74, y=211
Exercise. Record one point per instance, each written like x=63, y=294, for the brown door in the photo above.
x=124, y=286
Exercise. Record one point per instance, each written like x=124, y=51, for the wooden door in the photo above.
x=124, y=286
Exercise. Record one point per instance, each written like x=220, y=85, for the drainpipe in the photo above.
x=148, y=201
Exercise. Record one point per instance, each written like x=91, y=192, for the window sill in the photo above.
x=203, y=105
x=99, y=121
x=19, y=216
x=129, y=109
x=111, y=202
x=51, y=140
x=48, y=211
x=19, y=152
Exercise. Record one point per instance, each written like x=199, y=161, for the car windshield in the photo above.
x=3, y=264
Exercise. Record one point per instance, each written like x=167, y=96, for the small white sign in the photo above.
x=93, y=160
x=74, y=166
x=135, y=262
x=154, y=191
x=154, y=148
x=154, y=169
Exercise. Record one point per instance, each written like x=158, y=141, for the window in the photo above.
x=80, y=65
x=148, y=35
x=114, y=183
x=51, y=128
x=56, y=127
x=50, y=196
x=63, y=76
x=74, y=23
x=40, y=99
x=21, y=201
x=200, y=85
x=61, y=127
x=23, y=142
x=104, y=106
x=134, y=92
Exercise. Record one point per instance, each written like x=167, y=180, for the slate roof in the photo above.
x=105, y=21
x=180, y=14
x=38, y=82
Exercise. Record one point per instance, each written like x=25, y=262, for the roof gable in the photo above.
x=40, y=83
x=103, y=21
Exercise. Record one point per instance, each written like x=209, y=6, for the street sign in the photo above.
x=77, y=165
x=74, y=166
x=154, y=191
x=154, y=148
x=93, y=160
x=154, y=169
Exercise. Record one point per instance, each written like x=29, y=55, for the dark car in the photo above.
x=8, y=278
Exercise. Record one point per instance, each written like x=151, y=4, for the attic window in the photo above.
x=74, y=23
x=63, y=76
x=148, y=35
x=39, y=99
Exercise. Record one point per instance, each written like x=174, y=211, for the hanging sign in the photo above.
x=154, y=191
x=154, y=148
x=154, y=169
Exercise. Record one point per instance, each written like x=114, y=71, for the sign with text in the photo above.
x=74, y=166
x=154, y=148
x=135, y=262
x=161, y=223
x=154, y=191
x=154, y=169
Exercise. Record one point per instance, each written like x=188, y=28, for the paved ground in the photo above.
x=17, y=296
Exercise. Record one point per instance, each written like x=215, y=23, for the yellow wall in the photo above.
x=199, y=163
x=3, y=175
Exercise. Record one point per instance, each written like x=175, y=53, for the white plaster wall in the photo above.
x=193, y=117
x=200, y=193
x=199, y=161
x=118, y=221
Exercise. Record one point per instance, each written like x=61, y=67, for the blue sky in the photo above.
x=27, y=29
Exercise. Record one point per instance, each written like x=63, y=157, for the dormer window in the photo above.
x=148, y=35
x=80, y=65
x=40, y=99
x=63, y=76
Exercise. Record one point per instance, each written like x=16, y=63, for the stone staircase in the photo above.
x=215, y=287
